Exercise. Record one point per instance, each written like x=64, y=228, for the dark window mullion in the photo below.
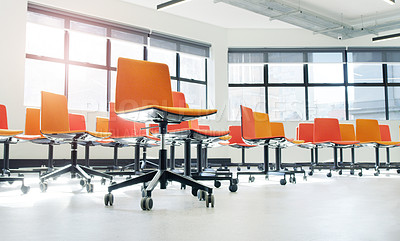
x=266, y=87
x=178, y=72
x=306, y=85
x=108, y=62
x=385, y=82
x=346, y=84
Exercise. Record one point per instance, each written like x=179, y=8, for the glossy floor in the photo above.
x=338, y=208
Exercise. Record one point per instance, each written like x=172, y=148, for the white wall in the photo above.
x=13, y=23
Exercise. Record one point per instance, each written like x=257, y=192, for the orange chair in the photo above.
x=368, y=133
x=32, y=133
x=327, y=134
x=143, y=93
x=256, y=130
x=6, y=137
x=55, y=126
x=305, y=133
x=348, y=133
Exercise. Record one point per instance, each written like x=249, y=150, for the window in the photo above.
x=303, y=84
x=77, y=56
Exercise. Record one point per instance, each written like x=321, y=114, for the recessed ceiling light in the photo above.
x=391, y=2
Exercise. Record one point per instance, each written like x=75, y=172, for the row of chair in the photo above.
x=143, y=95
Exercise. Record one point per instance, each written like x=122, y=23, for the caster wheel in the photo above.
x=103, y=181
x=201, y=195
x=340, y=172
x=89, y=188
x=20, y=175
x=217, y=184
x=360, y=174
x=294, y=180
x=398, y=171
x=290, y=179
x=260, y=167
x=239, y=169
x=233, y=188
x=43, y=186
x=305, y=178
x=376, y=174
x=251, y=179
x=25, y=189
x=329, y=174
x=10, y=182
x=128, y=178
x=283, y=182
x=109, y=199
x=266, y=177
x=113, y=183
x=194, y=191
x=311, y=173
x=82, y=182
x=183, y=187
x=248, y=167
x=210, y=200
x=146, y=203
x=351, y=172
x=387, y=169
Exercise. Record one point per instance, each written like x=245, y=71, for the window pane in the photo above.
x=325, y=57
x=87, y=89
x=44, y=41
x=285, y=73
x=88, y=28
x=246, y=58
x=42, y=75
x=325, y=73
x=366, y=102
x=120, y=48
x=195, y=95
x=174, y=85
x=326, y=102
x=163, y=56
x=286, y=103
x=365, y=73
x=192, y=67
x=394, y=103
x=393, y=73
x=285, y=57
x=246, y=73
x=87, y=48
x=365, y=56
x=252, y=97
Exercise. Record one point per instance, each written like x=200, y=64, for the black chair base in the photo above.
x=84, y=172
x=150, y=181
x=11, y=180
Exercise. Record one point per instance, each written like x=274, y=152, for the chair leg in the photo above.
x=187, y=181
x=56, y=173
x=95, y=173
x=140, y=179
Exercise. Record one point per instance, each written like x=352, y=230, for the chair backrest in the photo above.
x=3, y=117
x=367, y=130
x=77, y=122
x=385, y=133
x=102, y=124
x=141, y=83
x=54, y=113
x=236, y=133
x=121, y=128
x=277, y=129
x=306, y=132
x=32, y=121
x=347, y=132
x=326, y=129
x=254, y=124
x=179, y=99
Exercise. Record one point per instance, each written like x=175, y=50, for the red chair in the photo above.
x=7, y=138
x=237, y=142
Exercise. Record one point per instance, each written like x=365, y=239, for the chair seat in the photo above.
x=9, y=133
x=264, y=140
x=241, y=145
x=158, y=113
x=388, y=143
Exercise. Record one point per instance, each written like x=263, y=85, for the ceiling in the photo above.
x=334, y=18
